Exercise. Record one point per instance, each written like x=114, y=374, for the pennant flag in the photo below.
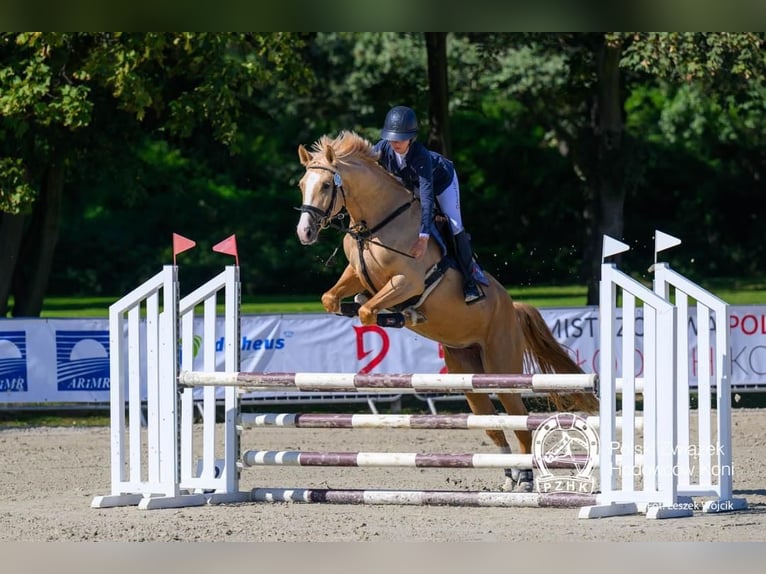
x=663, y=241
x=229, y=247
x=612, y=246
x=181, y=244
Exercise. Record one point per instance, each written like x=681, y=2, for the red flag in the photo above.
x=228, y=246
x=181, y=244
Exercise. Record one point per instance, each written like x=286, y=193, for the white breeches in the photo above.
x=449, y=203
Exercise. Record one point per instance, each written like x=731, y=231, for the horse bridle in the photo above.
x=361, y=233
x=323, y=218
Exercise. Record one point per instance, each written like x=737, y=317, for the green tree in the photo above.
x=699, y=104
x=70, y=99
x=583, y=106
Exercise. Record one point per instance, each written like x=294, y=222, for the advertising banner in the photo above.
x=67, y=360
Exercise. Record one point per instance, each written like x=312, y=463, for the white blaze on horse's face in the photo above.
x=316, y=189
x=307, y=226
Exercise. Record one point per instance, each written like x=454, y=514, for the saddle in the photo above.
x=397, y=315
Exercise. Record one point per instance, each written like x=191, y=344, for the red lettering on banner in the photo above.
x=441, y=356
x=578, y=359
x=749, y=324
x=695, y=360
x=361, y=353
x=638, y=363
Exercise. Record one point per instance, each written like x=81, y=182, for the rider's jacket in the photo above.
x=424, y=172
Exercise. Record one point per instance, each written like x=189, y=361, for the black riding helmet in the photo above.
x=401, y=124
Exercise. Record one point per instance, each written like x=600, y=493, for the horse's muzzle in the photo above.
x=308, y=228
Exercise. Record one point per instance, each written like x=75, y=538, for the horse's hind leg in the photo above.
x=469, y=361
x=481, y=404
x=504, y=353
x=518, y=479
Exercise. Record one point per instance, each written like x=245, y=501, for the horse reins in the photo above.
x=360, y=232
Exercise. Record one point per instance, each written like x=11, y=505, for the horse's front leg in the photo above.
x=347, y=284
x=397, y=289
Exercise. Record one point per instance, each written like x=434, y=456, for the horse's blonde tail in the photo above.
x=543, y=353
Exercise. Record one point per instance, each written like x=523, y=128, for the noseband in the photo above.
x=322, y=217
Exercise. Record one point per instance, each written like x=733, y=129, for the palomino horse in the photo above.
x=495, y=335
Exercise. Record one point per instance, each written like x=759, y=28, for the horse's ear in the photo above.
x=329, y=154
x=304, y=155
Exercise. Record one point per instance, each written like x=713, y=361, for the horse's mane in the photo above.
x=348, y=143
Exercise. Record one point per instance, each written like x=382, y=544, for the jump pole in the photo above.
x=375, y=383
x=466, y=498
x=404, y=459
x=455, y=421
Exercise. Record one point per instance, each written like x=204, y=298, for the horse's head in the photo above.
x=322, y=192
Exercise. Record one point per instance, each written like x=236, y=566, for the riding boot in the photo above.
x=464, y=256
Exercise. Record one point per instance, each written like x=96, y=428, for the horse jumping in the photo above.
x=495, y=335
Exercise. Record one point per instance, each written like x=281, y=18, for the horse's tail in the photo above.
x=543, y=353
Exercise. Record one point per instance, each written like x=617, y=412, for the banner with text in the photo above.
x=67, y=360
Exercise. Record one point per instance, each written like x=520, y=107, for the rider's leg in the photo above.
x=464, y=254
x=449, y=203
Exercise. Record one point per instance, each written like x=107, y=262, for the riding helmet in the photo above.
x=401, y=124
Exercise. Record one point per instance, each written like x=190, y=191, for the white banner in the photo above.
x=67, y=360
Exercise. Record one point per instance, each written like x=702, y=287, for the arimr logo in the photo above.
x=82, y=359
x=565, y=441
x=13, y=362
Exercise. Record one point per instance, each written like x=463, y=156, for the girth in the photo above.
x=433, y=277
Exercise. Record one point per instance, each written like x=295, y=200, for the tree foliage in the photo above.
x=83, y=100
x=557, y=139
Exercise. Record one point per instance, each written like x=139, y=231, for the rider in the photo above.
x=428, y=175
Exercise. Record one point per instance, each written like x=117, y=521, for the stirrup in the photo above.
x=473, y=294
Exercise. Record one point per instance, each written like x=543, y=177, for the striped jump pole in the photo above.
x=425, y=497
x=408, y=459
x=374, y=382
x=456, y=421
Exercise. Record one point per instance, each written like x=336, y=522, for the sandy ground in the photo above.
x=50, y=476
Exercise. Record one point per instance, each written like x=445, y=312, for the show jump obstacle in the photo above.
x=658, y=461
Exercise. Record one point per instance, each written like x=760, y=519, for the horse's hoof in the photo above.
x=517, y=480
x=513, y=486
x=524, y=486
